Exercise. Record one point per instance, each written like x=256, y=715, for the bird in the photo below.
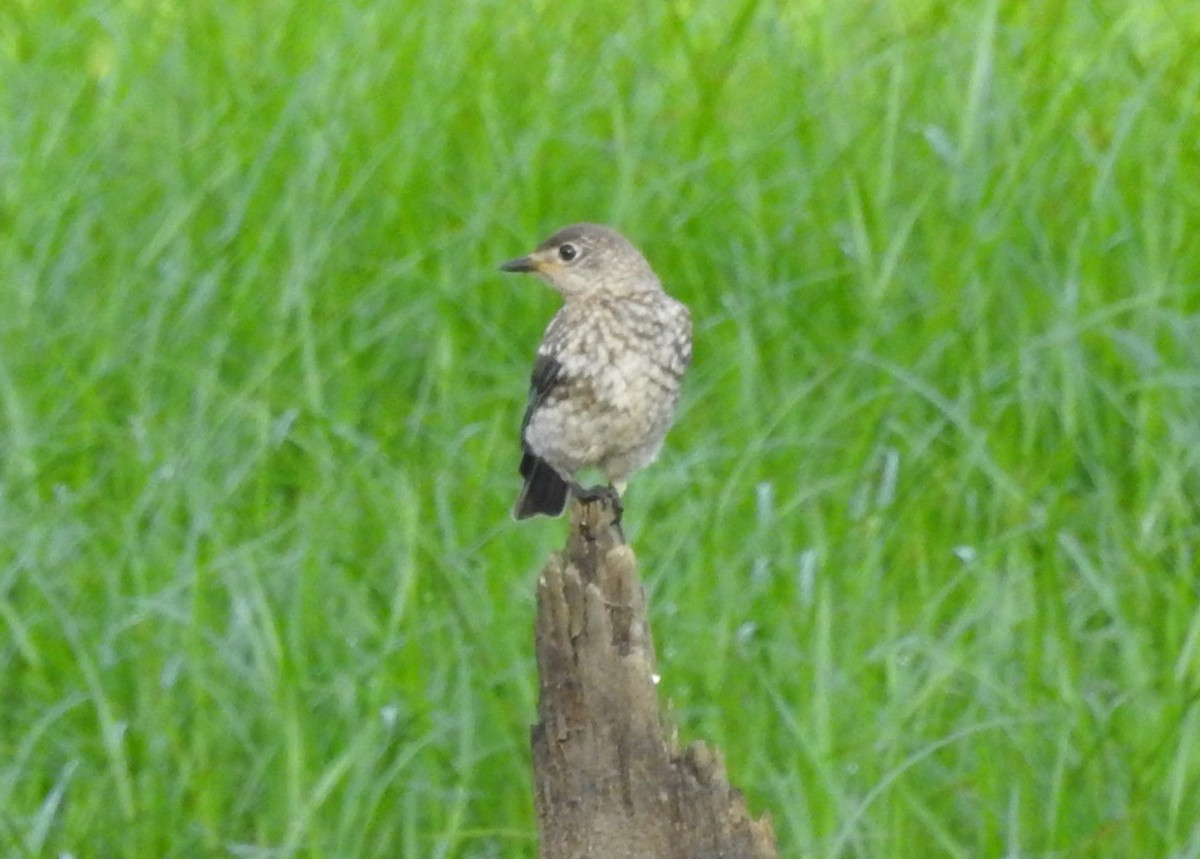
x=607, y=374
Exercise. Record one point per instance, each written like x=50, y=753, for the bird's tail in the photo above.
x=544, y=490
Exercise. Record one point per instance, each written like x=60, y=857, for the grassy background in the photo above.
x=922, y=549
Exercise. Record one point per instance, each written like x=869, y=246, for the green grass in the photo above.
x=922, y=549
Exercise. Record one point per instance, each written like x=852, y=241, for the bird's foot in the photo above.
x=605, y=494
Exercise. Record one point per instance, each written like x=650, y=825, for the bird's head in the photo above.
x=585, y=260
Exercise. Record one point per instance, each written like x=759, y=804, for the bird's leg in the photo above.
x=608, y=494
x=617, y=488
x=614, y=498
x=590, y=493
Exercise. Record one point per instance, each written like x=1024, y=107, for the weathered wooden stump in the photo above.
x=610, y=780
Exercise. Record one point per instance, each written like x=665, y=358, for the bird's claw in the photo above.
x=606, y=494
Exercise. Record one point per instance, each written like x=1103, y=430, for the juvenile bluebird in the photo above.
x=607, y=375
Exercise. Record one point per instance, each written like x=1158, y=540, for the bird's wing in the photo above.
x=543, y=489
x=547, y=375
x=680, y=356
x=684, y=341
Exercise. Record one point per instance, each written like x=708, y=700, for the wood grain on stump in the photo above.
x=610, y=781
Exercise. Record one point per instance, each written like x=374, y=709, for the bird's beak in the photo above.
x=521, y=264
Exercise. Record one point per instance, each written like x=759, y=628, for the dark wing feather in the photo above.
x=544, y=490
x=547, y=375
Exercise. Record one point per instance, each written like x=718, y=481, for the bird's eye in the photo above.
x=567, y=252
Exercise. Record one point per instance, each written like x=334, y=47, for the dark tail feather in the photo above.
x=544, y=490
